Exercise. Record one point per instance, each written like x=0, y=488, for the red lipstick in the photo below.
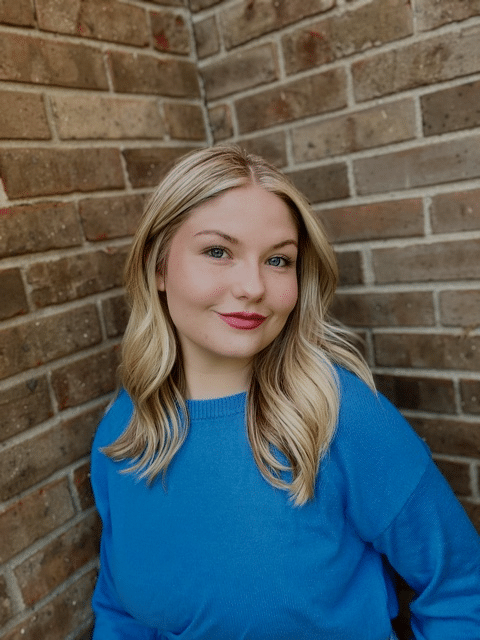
x=242, y=320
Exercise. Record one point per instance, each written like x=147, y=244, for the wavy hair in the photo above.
x=293, y=398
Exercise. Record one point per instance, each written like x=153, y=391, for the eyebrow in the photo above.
x=235, y=241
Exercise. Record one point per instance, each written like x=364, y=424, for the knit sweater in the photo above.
x=217, y=553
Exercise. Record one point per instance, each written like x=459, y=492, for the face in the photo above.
x=230, y=280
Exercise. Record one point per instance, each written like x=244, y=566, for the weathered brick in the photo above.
x=451, y=109
x=460, y=308
x=365, y=129
x=116, y=313
x=100, y=19
x=328, y=182
x=430, y=351
x=206, y=37
x=142, y=73
x=378, y=220
x=418, y=394
x=23, y=406
x=240, y=70
x=75, y=277
x=110, y=217
x=147, y=166
x=23, y=116
x=458, y=211
x=53, y=564
x=434, y=13
x=38, y=172
x=355, y=30
x=85, y=634
x=309, y=96
x=422, y=63
x=220, y=120
x=170, y=32
x=35, y=342
x=184, y=121
x=38, y=227
x=470, y=394
x=453, y=437
x=457, y=475
x=244, y=21
x=33, y=517
x=272, y=147
x=350, y=268
x=13, y=300
x=196, y=5
x=35, y=459
x=85, y=379
x=434, y=164
x=42, y=61
x=59, y=618
x=17, y=13
x=81, y=479
x=385, y=309
x=6, y=611
x=80, y=117
x=428, y=262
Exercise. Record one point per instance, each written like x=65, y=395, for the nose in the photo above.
x=248, y=281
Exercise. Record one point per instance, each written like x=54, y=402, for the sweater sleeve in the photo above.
x=432, y=544
x=112, y=622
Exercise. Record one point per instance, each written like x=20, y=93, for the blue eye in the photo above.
x=279, y=261
x=216, y=252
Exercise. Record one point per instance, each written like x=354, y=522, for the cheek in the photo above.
x=288, y=297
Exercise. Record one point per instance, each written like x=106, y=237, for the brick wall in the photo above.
x=371, y=106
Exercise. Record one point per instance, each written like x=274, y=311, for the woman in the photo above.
x=252, y=484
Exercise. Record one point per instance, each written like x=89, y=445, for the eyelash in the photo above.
x=288, y=261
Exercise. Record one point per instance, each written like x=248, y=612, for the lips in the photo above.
x=242, y=320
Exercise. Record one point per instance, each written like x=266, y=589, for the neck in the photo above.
x=202, y=385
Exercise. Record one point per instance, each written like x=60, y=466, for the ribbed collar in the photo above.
x=217, y=407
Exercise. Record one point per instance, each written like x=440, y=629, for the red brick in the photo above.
x=418, y=394
x=23, y=116
x=6, y=611
x=272, y=147
x=438, y=163
x=470, y=393
x=35, y=459
x=184, y=121
x=451, y=437
x=53, y=564
x=365, y=129
x=75, y=277
x=33, y=517
x=428, y=351
x=240, y=70
x=458, y=211
x=86, y=379
x=385, y=309
x=457, y=475
x=473, y=512
x=38, y=227
x=422, y=63
x=82, y=117
x=350, y=268
x=100, y=19
x=451, y=109
x=428, y=262
x=17, y=13
x=142, y=73
x=116, y=313
x=220, y=120
x=111, y=217
x=378, y=220
x=146, y=166
x=13, y=301
x=83, y=486
x=42, y=61
x=460, y=308
x=355, y=30
x=170, y=32
x=247, y=20
x=206, y=37
x=328, y=182
x=431, y=14
x=35, y=342
x=309, y=96
x=23, y=406
x=68, y=611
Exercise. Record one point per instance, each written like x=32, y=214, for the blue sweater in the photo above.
x=219, y=554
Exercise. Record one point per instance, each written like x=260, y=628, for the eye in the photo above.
x=216, y=252
x=280, y=261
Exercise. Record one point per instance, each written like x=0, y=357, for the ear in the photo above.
x=160, y=281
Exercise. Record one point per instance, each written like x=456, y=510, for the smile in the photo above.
x=242, y=320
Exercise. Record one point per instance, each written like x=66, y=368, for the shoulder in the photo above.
x=115, y=420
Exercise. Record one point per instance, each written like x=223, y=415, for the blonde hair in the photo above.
x=293, y=399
